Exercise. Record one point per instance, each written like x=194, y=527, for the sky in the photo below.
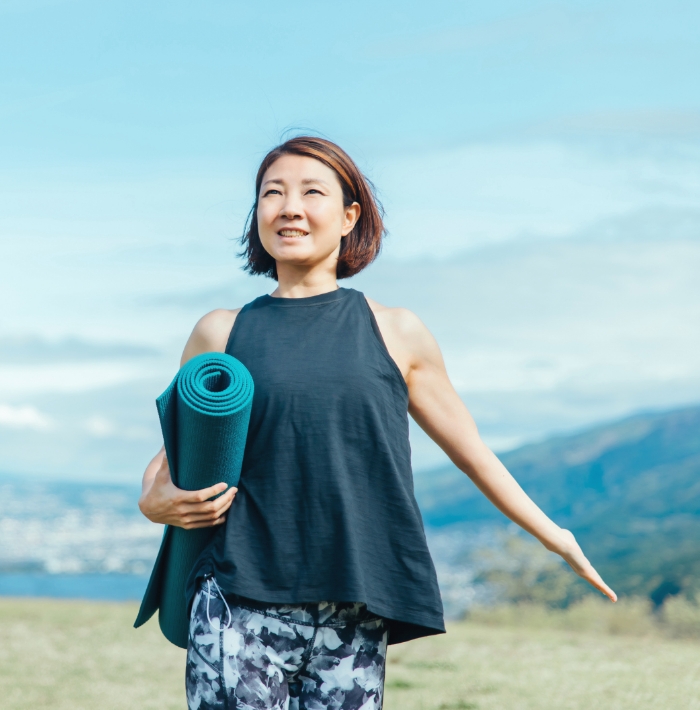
x=539, y=164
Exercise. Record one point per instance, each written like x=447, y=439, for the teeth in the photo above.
x=291, y=233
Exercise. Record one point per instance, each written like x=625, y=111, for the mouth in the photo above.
x=292, y=233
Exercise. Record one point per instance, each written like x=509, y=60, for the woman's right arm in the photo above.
x=161, y=500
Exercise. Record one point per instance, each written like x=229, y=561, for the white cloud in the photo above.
x=24, y=417
x=75, y=377
x=560, y=279
x=439, y=204
x=444, y=202
x=100, y=427
x=555, y=335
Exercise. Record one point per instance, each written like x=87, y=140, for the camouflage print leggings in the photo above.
x=247, y=656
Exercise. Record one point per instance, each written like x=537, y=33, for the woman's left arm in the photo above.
x=437, y=408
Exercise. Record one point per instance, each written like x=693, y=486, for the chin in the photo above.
x=292, y=255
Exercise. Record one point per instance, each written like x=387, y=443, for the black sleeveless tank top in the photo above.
x=325, y=509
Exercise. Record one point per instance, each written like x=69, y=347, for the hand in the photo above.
x=165, y=503
x=573, y=555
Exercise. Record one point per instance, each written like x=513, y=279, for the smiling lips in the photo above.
x=292, y=233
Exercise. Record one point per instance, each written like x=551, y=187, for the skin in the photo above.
x=301, y=222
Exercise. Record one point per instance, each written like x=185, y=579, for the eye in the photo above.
x=271, y=191
x=313, y=190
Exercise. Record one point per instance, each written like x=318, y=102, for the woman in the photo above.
x=320, y=559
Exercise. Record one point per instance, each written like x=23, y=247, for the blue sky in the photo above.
x=132, y=83
x=539, y=162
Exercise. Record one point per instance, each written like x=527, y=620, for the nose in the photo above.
x=292, y=208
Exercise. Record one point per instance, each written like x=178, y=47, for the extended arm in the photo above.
x=439, y=411
x=161, y=501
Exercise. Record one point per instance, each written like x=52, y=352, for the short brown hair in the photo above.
x=360, y=247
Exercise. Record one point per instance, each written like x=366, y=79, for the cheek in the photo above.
x=325, y=218
x=265, y=215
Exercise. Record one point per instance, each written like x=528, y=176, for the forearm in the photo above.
x=443, y=416
x=498, y=485
x=151, y=470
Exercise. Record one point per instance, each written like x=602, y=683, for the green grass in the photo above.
x=81, y=655
x=493, y=667
x=78, y=655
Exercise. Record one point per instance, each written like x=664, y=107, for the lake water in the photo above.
x=115, y=587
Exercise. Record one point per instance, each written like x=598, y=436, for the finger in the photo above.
x=211, y=507
x=596, y=580
x=204, y=511
x=201, y=496
x=207, y=524
x=609, y=593
x=205, y=494
x=199, y=518
x=223, y=502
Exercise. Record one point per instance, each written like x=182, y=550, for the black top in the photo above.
x=325, y=507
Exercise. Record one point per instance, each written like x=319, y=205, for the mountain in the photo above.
x=629, y=491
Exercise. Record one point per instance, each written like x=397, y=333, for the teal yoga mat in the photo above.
x=204, y=416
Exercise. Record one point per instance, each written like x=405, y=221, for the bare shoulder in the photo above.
x=216, y=325
x=407, y=338
x=210, y=334
x=398, y=322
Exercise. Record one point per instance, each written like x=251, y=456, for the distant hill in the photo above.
x=629, y=490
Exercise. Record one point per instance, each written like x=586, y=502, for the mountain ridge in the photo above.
x=629, y=490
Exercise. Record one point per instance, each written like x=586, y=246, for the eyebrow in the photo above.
x=307, y=181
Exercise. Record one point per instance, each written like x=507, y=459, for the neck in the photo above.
x=295, y=282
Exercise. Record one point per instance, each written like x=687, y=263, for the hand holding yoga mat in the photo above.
x=204, y=416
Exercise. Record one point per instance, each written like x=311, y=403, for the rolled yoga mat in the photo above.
x=204, y=416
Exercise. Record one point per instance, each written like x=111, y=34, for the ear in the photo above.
x=352, y=214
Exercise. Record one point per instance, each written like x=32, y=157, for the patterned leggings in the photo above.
x=248, y=656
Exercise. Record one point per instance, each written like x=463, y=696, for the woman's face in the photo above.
x=301, y=217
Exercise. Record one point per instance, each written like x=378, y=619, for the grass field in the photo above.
x=80, y=655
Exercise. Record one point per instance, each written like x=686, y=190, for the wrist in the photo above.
x=144, y=507
x=559, y=541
